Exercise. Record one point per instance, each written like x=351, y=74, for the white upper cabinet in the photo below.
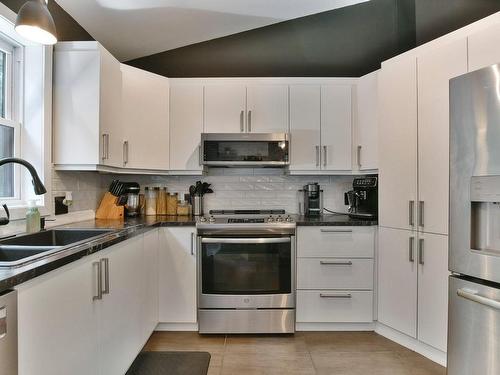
x=336, y=127
x=225, y=108
x=186, y=126
x=305, y=127
x=87, y=105
x=435, y=68
x=398, y=143
x=366, y=125
x=267, y=109
x=145, y=102
x=397, y=279
x=483, y=48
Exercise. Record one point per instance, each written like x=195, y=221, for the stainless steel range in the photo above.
x=246, y=272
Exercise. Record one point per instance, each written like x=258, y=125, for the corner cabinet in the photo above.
x=87, y=106
x=70, y=323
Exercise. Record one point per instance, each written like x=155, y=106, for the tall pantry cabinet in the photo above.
x=414, y=125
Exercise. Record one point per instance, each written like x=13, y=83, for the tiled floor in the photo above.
x=321, y=353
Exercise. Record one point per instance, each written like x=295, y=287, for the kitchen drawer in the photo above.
x=326, y=306
x=333, y=273
x=331, y=241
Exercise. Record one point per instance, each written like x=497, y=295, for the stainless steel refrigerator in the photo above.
x=474, y=253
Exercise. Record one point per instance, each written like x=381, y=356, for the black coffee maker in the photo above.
x=312, y=199
x=363, y=198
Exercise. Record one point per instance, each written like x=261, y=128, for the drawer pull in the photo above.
x=336, y=230
x=335, y=263
x=335, y=295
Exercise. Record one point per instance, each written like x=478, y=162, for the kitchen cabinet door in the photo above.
x=433, y=290
x=225, y=107
x=151, y=283
x=336, y=127
x=435, y=69
x=186, y=126
x=145, y=101
x=305, y=127
x=483, y=48
x=110, y=108
x=177, y=275
x=397, y=280
x=121, y=331
x=267, y=109
x=397, y=82
x=366, y=125
x=58, y=321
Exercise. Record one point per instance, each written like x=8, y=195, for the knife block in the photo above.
x=108, y=209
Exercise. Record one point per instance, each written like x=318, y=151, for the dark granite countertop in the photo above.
x=122, y=230
x=333, y=220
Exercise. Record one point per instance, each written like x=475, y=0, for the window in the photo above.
x=10, y=79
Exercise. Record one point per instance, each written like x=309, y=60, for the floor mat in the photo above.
x=170, y=363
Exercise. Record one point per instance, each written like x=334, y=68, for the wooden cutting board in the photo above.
x=108, y=209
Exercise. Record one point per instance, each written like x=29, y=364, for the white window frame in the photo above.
x=31, y=112
x=16, y=198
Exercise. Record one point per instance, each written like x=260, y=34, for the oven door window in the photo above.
x=246, y=151
x=246, y=269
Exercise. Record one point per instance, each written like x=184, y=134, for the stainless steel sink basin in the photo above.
x=21, y=250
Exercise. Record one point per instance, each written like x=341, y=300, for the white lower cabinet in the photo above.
x=151, y=283
x=335, y=274
x=65, y=327
x=177, y=277
x=413, y=284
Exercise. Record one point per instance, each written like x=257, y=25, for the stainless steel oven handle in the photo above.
x=246, y=240
x=474, y=296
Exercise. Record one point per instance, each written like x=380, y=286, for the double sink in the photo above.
x=21, y=250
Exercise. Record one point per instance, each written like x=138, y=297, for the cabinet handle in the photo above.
x=107, y=146
x=335, y=230
x=358, y=156
x=103, y=156
x=411, y=220
x=411, y=245
x=421, y=251
x=325, y=150
x=421, y=213
x=242, y=125
x=200, y=158
x=335, y=263
x=317, y=156
x=105, y=261
x=125, y=152
x=249, y=125
x=192, y=243
x=99, y=281
x=335, y=295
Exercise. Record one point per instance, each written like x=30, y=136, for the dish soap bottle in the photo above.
x=32, y=218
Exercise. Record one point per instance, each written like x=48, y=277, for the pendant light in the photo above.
x=34, y=22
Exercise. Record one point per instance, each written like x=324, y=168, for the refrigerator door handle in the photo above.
x=474, y=296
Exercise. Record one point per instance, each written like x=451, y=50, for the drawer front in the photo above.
x=326, y=306
x=334, y=273
x=351, y=242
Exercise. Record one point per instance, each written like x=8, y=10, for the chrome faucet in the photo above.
x=37, y=183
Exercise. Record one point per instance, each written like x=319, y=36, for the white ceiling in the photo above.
x=136, y=28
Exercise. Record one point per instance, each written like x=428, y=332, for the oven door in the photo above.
x=246, y=273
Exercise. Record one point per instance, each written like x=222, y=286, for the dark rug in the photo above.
x=170, y=363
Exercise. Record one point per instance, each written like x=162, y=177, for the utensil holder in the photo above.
x=197, y=205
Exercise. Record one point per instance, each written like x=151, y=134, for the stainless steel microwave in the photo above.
x=245, y=150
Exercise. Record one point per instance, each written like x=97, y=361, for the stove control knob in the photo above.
x=289, y=219
x=279, y=219
x=270, y=219
x=203, y=219
x=211, y=219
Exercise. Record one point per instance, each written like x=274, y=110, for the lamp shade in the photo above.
x=34, y=22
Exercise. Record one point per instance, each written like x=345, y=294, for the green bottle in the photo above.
x=32, y=218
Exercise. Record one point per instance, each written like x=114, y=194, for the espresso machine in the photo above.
x=363, y=198
x=312, y=199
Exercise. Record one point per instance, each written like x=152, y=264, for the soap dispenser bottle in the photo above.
x=32, y=218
